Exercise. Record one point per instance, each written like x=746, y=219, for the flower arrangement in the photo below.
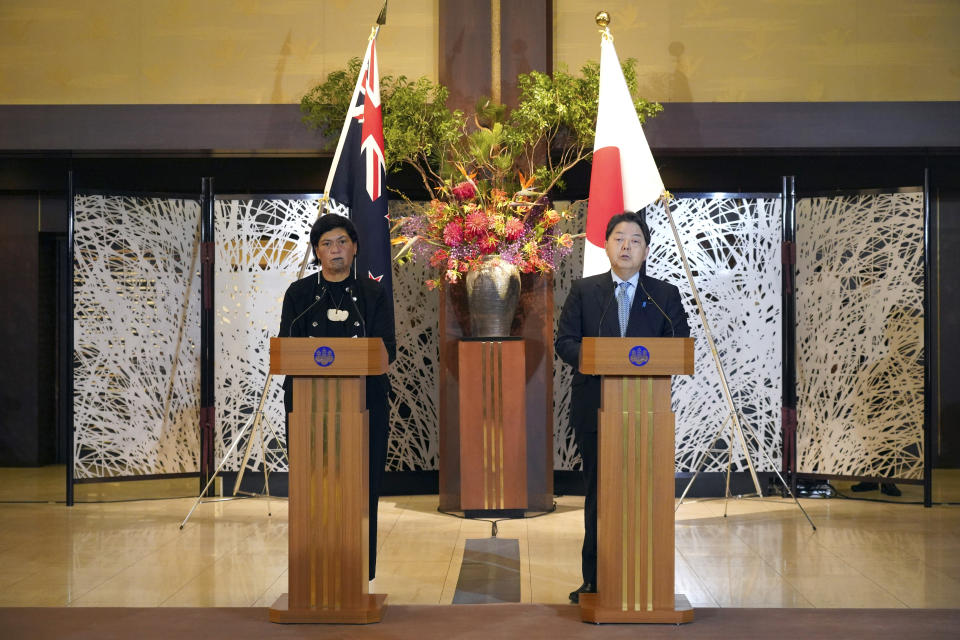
x=461, y=232
x=471, y=164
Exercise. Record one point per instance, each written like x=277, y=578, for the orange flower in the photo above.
x=551, y=217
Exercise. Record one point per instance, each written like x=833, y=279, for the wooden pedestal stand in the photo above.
x=635, y=546
x=493, y=438
x=329, y=479
x=528, y=380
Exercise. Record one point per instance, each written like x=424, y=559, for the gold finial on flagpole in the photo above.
x=603, y=21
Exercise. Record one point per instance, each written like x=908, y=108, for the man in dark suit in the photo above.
x=621, y=302
x=335, y=304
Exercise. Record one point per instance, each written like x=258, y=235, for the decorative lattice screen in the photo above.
x=732, y=243
x=860, y=335
x=733, y=246
x=137, y=335
x=261, y=245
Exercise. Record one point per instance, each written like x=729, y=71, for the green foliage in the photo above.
x=551, y=129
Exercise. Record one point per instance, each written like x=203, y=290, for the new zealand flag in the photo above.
x=360, y=179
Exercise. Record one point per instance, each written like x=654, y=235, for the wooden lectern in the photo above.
x=329, y=479
x=635, y=502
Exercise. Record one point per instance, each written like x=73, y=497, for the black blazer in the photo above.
x=376, y=309
x=590, y=310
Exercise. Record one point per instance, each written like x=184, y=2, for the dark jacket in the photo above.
x=590, y=310
x=376, y=311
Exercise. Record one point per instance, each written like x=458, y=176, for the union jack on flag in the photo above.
x=360, y=178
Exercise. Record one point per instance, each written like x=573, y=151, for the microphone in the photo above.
x=353, y=301
x=613, y=294
x=310, y=306
x=673, y=334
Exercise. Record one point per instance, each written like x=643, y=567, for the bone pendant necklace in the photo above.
x=338, y=314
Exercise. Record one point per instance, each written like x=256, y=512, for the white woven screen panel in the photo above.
x=136, y=336
x=261, y=244
x=860, y=286
x=733, y=246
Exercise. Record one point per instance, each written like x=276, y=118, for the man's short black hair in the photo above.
x=629, y=216
x=329, y=222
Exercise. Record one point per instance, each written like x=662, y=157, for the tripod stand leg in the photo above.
x=273, y=434
x=699, y=465
x=223, y=461
x=726, y=490
x=257, y=418
x=260, y=427
x=246, y=454
x=266, y=471
x=738, y=429
x=783, y=482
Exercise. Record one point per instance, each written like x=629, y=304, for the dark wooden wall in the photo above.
x=20, y=439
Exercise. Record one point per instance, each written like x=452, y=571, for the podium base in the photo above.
x=591, y=611
x=281, y=613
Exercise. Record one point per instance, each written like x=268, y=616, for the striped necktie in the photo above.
x=623, y=306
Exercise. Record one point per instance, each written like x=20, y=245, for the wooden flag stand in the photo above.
x=329, y=479
x=635, y=521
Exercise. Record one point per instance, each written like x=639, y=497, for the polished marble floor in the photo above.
x=764, y=554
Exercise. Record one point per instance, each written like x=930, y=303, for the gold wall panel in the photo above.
x=775, y=50
x=199, y=52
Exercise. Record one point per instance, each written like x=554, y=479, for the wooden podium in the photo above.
x=635, y=502
x=329, y=479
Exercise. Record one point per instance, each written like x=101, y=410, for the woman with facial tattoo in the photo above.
x=334, y=303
